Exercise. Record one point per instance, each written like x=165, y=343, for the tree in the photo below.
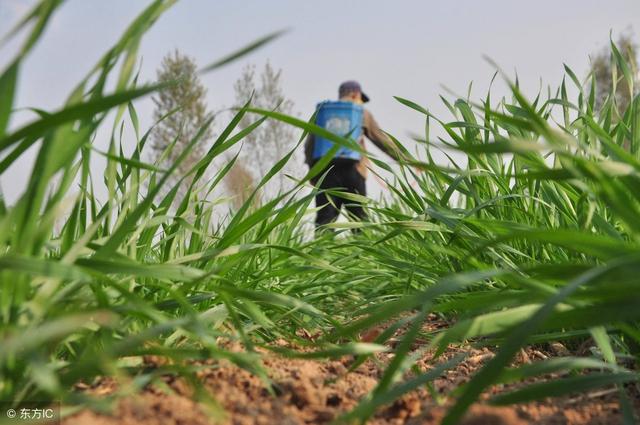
x=188, y=97
x=604, y=66
x=272, y=140
x=240, y=183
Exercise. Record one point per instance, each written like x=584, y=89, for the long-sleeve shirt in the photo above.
x=372, y=131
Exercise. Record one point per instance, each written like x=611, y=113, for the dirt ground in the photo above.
x=319, y=391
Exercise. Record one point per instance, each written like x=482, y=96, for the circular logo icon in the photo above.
x=11, y=413
x=338, y=125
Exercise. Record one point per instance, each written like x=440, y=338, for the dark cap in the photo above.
x=352, y=86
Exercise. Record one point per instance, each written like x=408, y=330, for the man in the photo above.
x=347, y=171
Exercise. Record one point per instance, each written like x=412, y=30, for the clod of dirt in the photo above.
x=559, y=349
x=485, y=415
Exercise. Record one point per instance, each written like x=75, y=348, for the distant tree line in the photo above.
x=185, y=111
x=605, y=68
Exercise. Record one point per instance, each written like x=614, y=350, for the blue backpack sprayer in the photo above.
x=342, y=119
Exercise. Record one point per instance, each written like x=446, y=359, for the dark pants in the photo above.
x=341, y=175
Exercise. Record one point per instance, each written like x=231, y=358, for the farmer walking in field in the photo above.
x=348, y=170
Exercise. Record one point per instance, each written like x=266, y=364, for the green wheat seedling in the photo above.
x=532, y=237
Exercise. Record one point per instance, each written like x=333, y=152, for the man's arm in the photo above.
x=374, y=133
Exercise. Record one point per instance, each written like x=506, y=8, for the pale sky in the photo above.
x=409, y=48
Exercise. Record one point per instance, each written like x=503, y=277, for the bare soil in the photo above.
x=320, y=391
